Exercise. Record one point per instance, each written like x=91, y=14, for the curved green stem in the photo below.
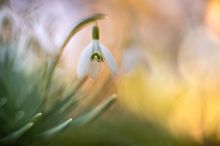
x=83, y=23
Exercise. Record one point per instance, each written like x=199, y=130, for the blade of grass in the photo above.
x=92, y=115
x=18, y=133
x=67, y=98
x=56, y=129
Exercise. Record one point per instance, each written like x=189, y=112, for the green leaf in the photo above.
x=36, y=117
x=56, y=129
x=92, y=115
x=18, y=133
x=63, y=106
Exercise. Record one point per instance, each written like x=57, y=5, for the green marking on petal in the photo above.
x=97, y=57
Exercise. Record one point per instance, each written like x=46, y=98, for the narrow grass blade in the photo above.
x=36, y=117
x=56, y=129
x=67, y=99
x=84, y=119
x=18, y=133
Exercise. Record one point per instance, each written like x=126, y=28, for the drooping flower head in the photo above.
x=93, y=56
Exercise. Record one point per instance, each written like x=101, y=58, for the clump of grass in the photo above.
x=25, y=113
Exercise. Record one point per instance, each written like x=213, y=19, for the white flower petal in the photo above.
x=94, y=68
x=109, y=59
x=84, y=60
x=96, y=46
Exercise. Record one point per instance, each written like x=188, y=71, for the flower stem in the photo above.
x=83, y=23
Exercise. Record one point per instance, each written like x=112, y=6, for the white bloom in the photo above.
x=92, y=57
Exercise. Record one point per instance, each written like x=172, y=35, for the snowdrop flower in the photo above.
x=93, y=56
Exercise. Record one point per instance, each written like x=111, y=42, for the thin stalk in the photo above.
x=83, y=23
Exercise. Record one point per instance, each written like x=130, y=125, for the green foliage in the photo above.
x=119, y=128
x=24, y=111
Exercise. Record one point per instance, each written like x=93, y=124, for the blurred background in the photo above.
x=168, y=55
